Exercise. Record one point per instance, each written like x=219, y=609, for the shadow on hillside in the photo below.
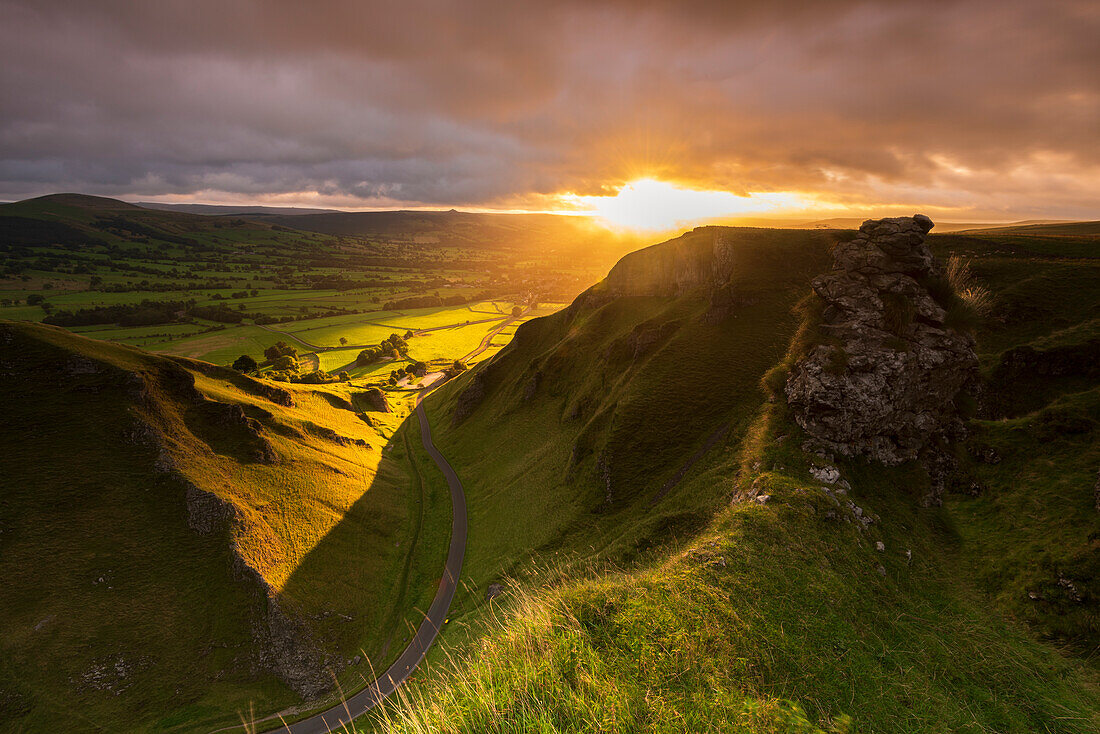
x=362, y=586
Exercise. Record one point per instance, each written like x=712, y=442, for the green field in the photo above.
x=68, y=260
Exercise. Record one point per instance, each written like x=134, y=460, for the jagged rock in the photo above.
x=603, y=466
x=330, y=435
x=285, y=647
x=883, y=380
x=827, y=474
x=674, y=268
x=78, y=365
x=377, y=401
x=470, y=398
x=532, y=386
x=231, y=415
x=206, y=512
x=494, y=591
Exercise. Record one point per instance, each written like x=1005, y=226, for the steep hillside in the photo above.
x=712, y=551
x=577, y=436
x=179, y=542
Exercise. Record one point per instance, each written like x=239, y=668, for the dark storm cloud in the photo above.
x=988, y=106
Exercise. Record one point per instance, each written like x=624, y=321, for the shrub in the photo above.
x=244, y=363
x=285, y=362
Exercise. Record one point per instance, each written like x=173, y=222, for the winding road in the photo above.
x=332, y=719
x=411, y=657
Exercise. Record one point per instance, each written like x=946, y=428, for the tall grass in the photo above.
x=976, y=296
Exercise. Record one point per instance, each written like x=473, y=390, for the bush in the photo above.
x=285, y=362
x=244, y=363
x=280, y=349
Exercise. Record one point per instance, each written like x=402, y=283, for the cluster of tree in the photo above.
x=416, y=369
x=146, y=313
x=423, y=302
x=280, y=349
x=220, y=313
x=245, y=363
x=393, y=347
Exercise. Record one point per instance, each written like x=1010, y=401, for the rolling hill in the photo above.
x=181, y=543
x=753, y=480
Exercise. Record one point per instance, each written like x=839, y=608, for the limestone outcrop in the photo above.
x=884, y=372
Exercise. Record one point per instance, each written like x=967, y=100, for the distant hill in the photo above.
x=227, y=210
x=942, y=227
x=179, y=540
x=457, y=227
x=1053, y=229
x=77, y=219
x=83, y=201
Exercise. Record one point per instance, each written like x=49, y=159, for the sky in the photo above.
x=980, y=110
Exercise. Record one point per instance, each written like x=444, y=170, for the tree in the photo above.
x=343, y=341
x=517, y=311
x=344, y=376
x=409, y=334
x=285, y=362
x=273, y=352
x=245, y=363
x=35, y=299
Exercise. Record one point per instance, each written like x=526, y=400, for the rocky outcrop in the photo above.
x=207, y=512
x=703, y=257
x=376, y=400
x=883, y=374
x=229, y=420
x=470, y=398
x=282, y=644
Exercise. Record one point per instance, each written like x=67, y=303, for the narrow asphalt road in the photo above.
x=411, y=656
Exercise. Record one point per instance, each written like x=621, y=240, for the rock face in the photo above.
x=376, y=399
x=703, y=257
x=882, y=379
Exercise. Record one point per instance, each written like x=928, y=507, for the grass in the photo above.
x=165, y=641
x=712, y=611
x=772, y=619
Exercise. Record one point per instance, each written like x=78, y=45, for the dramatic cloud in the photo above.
x=984, y=108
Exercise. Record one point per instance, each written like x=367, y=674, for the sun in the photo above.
x=651, y=205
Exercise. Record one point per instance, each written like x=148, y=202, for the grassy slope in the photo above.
x=776, y=616
x=168, y=607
